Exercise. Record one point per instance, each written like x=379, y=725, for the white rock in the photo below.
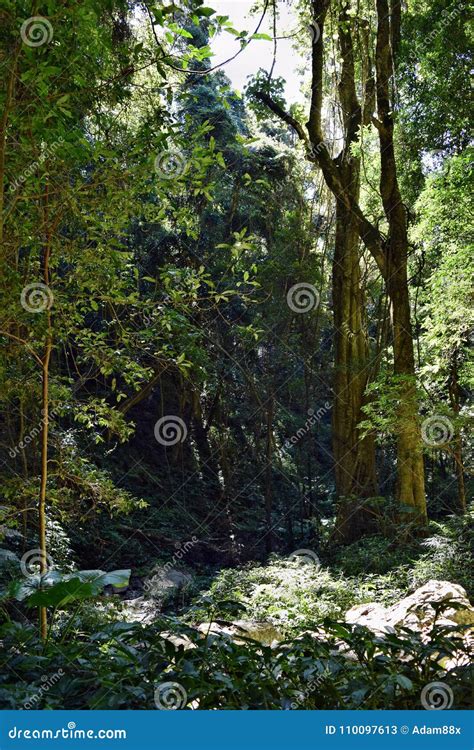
x=139, y=610
x=178, y=640
x=164, y=580
x=372, y=616
x=415, y=611
x=263, y=632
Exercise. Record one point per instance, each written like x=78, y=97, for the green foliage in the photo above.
x=436, y=43
x=394, y=568
x=272, y=87
x=122, y=666
x=293, y=596
x=56, y=589
x=446, y=245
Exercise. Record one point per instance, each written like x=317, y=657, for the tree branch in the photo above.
x=285, y=116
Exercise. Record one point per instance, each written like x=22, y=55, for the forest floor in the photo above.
x=296, y=591
x=268, y=634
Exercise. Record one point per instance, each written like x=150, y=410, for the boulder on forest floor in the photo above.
x=139, y=610
x=262, y=632
x=419, y=611
x=165, y=581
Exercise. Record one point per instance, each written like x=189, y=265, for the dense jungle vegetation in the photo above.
x=236, y=355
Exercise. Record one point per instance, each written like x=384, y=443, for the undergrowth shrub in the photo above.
x=125, y=666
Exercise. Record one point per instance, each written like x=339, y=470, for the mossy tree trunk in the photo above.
x=410, y=467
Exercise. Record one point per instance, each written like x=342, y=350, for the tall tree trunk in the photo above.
x=45, y=421
x=454, y=396
x=269, y=473
x=390, y=255
x=410, y=468
x=354, y=456
x=44, y=477
x=308, y=508
x=459, y=467
x=208, y=463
